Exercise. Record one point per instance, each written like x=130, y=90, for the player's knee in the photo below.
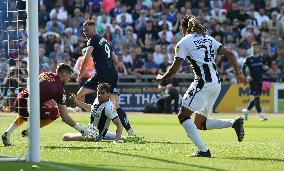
x=200, y=122
x=184, y=114
x=54, y=113
x=256, y=100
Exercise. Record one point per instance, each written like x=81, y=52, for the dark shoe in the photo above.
x=6, y=139
x=25, y=133
x=202, y=154
x=239, y=128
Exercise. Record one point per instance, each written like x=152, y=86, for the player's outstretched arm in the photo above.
x=174, y=68
x=118, y=124
x=68, y=120
x=64, y=115
x=227, y=53
x=79, y=103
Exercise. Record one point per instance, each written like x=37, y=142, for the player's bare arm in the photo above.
x=227, y=53
x=64, y=115
x=79, y=103
x=87, y=55
x=174, y=68
x=117, y=122
x=116, y=62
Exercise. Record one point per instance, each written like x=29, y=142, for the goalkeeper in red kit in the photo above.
x=52, y=102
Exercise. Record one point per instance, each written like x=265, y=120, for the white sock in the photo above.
x=192, y=133
x=131, y=132
x=219, y=123
x=11, y=128
x=111, y=136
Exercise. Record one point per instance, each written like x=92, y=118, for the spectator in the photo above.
x=59, y=11
x=158, y=56
x=150, y=66
x=108, y=5
x=122, y=70
x=274, y=72
x=165, y=30
x=129, y=19
x=164, y=65
x=54, y=23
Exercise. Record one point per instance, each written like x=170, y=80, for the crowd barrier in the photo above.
x=232, y=98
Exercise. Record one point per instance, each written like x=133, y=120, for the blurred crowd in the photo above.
x=144, y=33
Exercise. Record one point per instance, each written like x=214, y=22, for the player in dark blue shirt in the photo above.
x=254, y=68
x=106, y=69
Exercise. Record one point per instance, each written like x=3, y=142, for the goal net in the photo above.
x=19, y=68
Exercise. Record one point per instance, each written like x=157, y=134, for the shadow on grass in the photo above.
x=50, y=166
x=165, y=161
x=140, y=167
x=71, y=147
x=265, y=127
x=255, y=159
x=163, y=142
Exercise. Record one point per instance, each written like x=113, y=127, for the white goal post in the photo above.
x=33, y=154
x=33, y=81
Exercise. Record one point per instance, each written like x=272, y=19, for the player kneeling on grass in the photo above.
x=102, y=112
x=51, y=92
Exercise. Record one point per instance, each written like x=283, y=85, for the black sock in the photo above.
x=123, y=119
x=251, y=104
x=257, y=105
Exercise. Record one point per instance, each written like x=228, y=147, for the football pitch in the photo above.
x=165, y=147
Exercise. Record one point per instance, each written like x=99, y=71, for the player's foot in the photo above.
x=6, y=139
x=131, y=132
x=202, y=154
x=262, y=117
x=239, y=128
x=25, y=133
x=245, y=114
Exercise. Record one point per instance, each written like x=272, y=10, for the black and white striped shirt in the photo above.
x=201, y=52
x=101, y=115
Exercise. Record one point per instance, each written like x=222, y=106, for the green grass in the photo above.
x=281, y=105
x=166, y=147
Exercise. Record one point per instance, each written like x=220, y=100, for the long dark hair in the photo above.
x=192, y=25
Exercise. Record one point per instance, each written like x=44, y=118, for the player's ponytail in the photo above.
x=192, y=25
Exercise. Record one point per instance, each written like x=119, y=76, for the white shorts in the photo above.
x=200, y=97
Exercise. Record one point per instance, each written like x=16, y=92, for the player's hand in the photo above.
x=241, y=79
x=73, y=97
x=249, y=78
x=159, y=78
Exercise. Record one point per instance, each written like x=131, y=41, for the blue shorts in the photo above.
x=112, y=80
x=255, y=88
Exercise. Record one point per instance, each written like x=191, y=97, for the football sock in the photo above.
x=257, y=105
x=250, y=105
x=192, y=133
x=123, y=119
x=16, y=123
x=111, y=136
x=44, y=122
x=219, y=123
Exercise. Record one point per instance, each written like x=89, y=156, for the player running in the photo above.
x=105, y=61
x=51, y=92
x=201, y=50
x=256, y=67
